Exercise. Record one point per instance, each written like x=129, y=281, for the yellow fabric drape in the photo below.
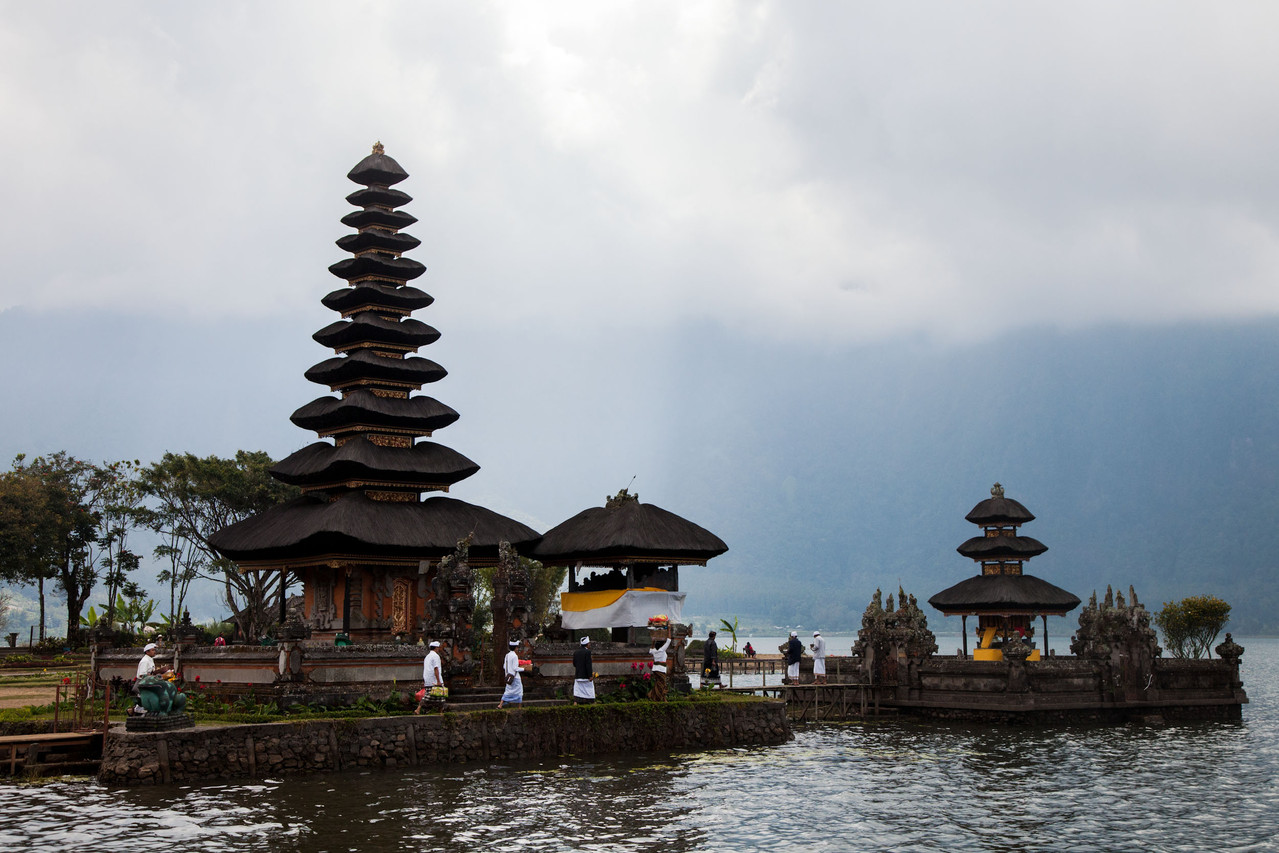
x=578, y=601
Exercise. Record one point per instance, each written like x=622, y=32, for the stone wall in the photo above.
x=1067, y=689
x=131, y=758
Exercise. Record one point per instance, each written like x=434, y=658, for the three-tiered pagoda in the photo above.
x=1004, y=598
x=361, y=538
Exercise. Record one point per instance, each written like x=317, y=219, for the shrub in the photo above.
x=1191, y=626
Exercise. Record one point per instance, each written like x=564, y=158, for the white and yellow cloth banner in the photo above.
x=619, y=608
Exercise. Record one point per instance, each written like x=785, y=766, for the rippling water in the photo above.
x=900, y=786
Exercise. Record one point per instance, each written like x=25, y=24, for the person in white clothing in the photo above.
x=146, y=666
x=819, y=658
x=432, y=673
x=583, y=673
x=657, y=692
x=514, y=694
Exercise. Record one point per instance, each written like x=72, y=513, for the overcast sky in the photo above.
x=839, y=172
x=598, y=177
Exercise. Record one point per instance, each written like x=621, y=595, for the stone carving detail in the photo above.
x=451, y=609
x=1229, y=650
x=892, y=632
x=1115, y=626
x=510, y=602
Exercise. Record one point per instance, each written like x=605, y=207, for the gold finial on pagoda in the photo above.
x=996, y=491
x=377, y=147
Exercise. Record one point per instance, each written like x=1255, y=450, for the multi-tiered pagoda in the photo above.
x=365, y=544
x=1004, y=598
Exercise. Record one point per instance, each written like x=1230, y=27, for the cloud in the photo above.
x=835, y=175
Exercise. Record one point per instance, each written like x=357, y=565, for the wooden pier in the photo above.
x=51, y=753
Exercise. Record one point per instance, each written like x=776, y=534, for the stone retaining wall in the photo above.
x=221, y=752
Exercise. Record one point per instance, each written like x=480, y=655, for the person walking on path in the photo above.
x=794, y=651
x=710, y=658
x=583, y=674
x=514, y=693
x=657, y=692
x=819, y=658
x=432, y=674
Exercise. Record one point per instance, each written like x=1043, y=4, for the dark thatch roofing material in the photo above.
x=383, y=196
x=363, y=364
x=368, y=327
x=377, y=169
x=364, y=408
x=374, y=216
x=425, y=464
x=1004, y=594
x=375, y=238
x=998, y=511
x=369, y=293
x=357, y=526
x=628, y=531
x=1002, y=547
x=395, y=269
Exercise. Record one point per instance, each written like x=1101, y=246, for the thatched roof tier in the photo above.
x=380, y=196
x=376, y=217
x=426, y=466
x=363, y=365
x=369, y=295
x=364, y=409
x=1002, y=547
x=999, y=511
x=354, y=526
x=377, y=169
x=1004, y=594
x=371, y=328
x=377, y=238
x=627, y=531
x=394, y=269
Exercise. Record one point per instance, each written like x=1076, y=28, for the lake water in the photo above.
x=890, y=786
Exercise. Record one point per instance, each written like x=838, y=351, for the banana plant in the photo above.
x=731, y=628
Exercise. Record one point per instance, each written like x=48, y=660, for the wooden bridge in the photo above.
x=815, y=703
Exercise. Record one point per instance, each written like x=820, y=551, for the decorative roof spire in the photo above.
x=996, y=491
x=377, y=147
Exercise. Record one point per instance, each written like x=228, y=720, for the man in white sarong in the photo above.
x=819, y=658
x=583, y=674
x=794, y=652
x=514, y=694
x=432, y=674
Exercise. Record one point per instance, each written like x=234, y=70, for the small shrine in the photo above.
x=376, y=560
x=635, y=551
x=1005, y=600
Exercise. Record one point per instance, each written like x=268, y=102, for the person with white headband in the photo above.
x=514, y=693
x=794, y=652
x=583, y=674
x=819, y=658
x=432, y=674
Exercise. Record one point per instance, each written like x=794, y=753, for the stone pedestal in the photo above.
x=158, y=723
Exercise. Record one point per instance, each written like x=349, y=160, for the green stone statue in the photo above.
x=159, y=696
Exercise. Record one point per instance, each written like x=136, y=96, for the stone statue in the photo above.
x=159, y=696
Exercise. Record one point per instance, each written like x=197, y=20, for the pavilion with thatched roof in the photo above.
x=641, y=546
x=1004, y=599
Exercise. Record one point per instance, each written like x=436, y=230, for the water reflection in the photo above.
x=893, y=785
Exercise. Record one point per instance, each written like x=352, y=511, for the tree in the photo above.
x=1191, y=626
x=63, y=528
x=543, y=591
x=196, y=497
x=121, y=512
x=6, y=603
x=31, y=531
